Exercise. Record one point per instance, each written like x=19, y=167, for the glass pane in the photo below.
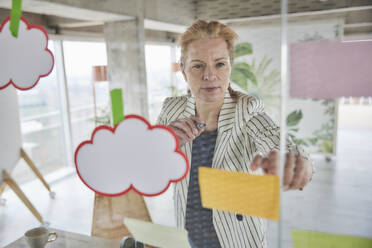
x=158, y=70
x=80, y=57
x=337, y=133
x=164, y=78
x=42, y=131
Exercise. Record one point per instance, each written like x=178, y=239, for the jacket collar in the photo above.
x=226, y=116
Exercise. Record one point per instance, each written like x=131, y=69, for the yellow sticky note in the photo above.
x=239, y=192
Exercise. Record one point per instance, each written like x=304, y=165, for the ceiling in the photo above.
x=163, y=19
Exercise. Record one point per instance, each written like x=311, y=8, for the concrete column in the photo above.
x=125, y=41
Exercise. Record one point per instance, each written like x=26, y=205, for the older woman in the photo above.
x=238, y=136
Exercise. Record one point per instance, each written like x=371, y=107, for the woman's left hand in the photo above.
x=297, y=171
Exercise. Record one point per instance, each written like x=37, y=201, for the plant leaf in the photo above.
x=243, y=49
x=246, y=70
x=300, y=142
x=294, y=118
x=313, y=141
x=294, y=129
x=239, y=78
x=327, y=146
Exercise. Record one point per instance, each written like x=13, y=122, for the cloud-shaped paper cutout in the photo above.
x=133, y=155
x=25, y=59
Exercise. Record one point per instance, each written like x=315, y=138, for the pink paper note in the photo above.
x=331, y=69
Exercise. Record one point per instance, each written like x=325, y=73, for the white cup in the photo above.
x=38, y=237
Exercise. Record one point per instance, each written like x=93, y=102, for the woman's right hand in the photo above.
x=186, y=129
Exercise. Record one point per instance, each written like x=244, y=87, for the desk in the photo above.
x=70, y=240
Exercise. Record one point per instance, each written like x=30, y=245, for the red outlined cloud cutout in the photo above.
x=25, y=59
x=132, y=155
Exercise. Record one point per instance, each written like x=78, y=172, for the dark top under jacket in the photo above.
x=199, y=222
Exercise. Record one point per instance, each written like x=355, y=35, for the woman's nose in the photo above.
x=209, y=75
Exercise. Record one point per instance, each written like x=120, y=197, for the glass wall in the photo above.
x=163, y=76
x=41, y=126
x=80, y=57
x=40, y=108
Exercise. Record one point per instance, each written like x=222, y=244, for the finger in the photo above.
x=303, y=183
x=272, y=166
x=265, y=163
x=187, y=128
x=181, y=135
x=196, y=121
x=307, y=174
x=192, y=125
x=257, y=160
x=289, y=170
x=184, y=127
x=299, y=174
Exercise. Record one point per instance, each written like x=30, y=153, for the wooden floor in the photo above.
x=339, y=199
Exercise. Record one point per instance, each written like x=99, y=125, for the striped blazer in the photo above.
x=244, y=129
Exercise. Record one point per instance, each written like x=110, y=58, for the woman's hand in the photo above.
x=297, y=171
x=186, y=129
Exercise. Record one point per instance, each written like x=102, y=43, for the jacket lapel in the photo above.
x=187, y=148
x=225, y=123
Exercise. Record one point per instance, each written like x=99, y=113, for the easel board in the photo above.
x=10, y=130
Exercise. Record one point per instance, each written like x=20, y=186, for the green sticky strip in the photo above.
x=311, y=239
x=15, y=17
x=117, y=106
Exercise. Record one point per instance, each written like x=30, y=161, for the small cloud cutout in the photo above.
x=133, y=155
x=25, y=59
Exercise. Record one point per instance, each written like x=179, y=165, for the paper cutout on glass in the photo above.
x=240, y=193
x=25, y=59
x=132, y=155
x=157, y=235
x=331, y=69
x=311, y=239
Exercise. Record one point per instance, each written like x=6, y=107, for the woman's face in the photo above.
x=207, y=69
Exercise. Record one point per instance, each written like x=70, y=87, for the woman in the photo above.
x=237, y=135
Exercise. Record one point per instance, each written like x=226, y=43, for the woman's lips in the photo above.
x=210, y=89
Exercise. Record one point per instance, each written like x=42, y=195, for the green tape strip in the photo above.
x=311, y=239
x=15, y=17
x=117, y=106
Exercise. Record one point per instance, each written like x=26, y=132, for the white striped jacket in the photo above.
x=243, y=130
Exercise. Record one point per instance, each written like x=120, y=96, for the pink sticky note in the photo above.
x=331, y=69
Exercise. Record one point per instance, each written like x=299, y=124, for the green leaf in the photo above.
x=242, y=66
x=265, y=62
x=291, y=135
x=243, y=49
x=313, y=141
x=294, y=118
x=239, y=78
x=327, y=146
x=246, y=70
x=300, y=142
x=294, y=129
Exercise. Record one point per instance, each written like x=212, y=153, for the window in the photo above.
x=80, y=57
x=42, y=131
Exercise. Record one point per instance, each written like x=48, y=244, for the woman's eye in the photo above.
x=198, y=66
x=220, y=64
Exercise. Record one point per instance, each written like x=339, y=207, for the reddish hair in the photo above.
x=202, y=30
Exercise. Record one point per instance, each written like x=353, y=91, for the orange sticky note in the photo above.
x=239, y=192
